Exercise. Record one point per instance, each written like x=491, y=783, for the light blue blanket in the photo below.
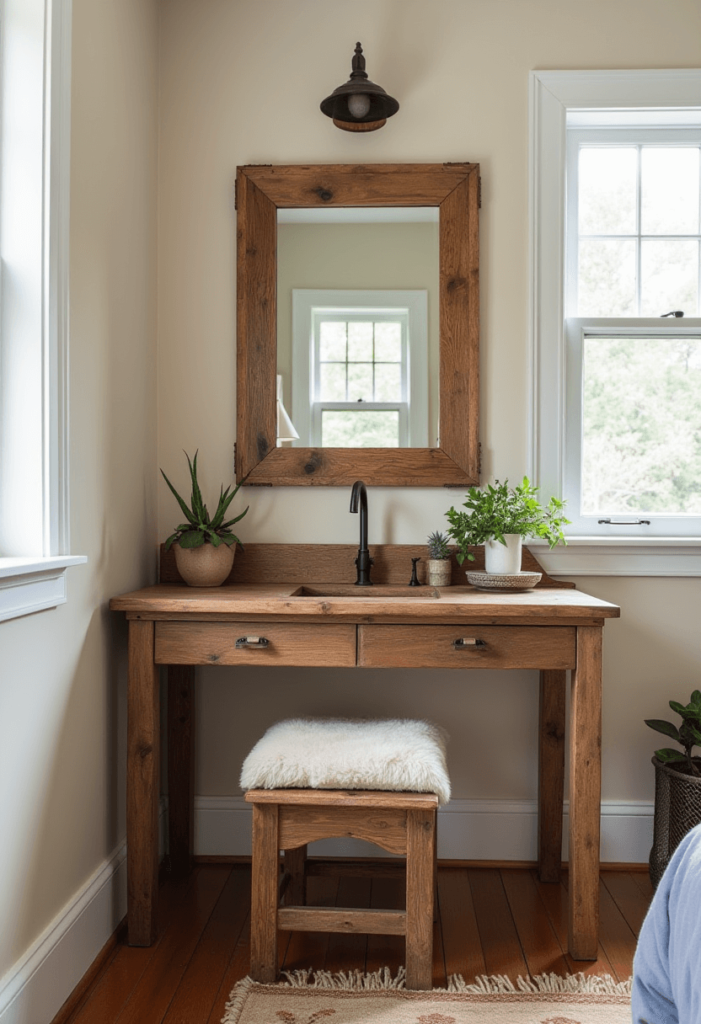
x=667, y=965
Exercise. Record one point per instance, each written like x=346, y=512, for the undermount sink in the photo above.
x=350, y=590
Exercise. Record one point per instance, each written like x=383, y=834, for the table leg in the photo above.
x=143, y=743
x=181, y=767
x=585, y=795
x=551, y=773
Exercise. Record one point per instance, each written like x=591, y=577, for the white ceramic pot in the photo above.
x=504, y=560
x=205, y=566
x=440, y=571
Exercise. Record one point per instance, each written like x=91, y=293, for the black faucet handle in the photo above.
x=414, y=581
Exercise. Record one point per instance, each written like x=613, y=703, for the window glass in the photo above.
x=360, y=429
x=641, y=426
x=607, y=190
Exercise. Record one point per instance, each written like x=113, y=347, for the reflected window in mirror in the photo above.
x=359, y=368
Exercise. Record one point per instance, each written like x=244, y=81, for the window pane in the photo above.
x=361, y=429
x=332, y=386
x=670, y=191
x=669, y=272
x=607, y=278
x=641, y=429
x=607, y=184
x=360, y=382
x=332, y=340
x=388, y=342
x=388, y=382
x=359, y=342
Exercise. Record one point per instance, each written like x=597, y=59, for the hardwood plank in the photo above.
x=537, y=936
x=143, y=769
x=628, y=897
x=642, y=880
x=181, y=767
x=500, y=943
x=238, y=969
x=616, y=935
x=202, y=977
x=151, y=996
x=384, y=950
x=555, y=901
x=551, y=772
x=347, y=952
x=585, y=794
x=461, y=939
x=308, y=949
x=92, y=977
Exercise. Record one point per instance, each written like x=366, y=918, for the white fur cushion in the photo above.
x=322, y=753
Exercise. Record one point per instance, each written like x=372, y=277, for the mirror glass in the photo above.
x=357, y=331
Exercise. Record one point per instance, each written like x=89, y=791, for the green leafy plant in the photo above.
x=497, y=510
x=688, y=734
x=200, y=528
x=438, y=545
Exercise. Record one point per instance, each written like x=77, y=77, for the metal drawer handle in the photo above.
x=469, y=643
x=252, y=641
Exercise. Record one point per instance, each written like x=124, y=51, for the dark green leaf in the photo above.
x=665, y=727
x=186, y=511
x=666, y=755
x=197, y=504
x=171, y=540
x=192, y=539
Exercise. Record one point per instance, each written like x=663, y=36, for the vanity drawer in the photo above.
x=408, y=646
x=214, y=643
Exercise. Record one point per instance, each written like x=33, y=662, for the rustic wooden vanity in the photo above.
x=293, y=605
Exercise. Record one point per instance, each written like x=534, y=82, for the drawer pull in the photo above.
x=469, y=643
x=252, y=641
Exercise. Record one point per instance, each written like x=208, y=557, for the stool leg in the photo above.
x=296, y=866
x=421, y=839
x=264, y=893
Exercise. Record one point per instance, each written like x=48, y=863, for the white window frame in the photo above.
x=35, y=62
x=309, y=305
x=587, y=97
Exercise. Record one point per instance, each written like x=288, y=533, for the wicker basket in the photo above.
x=677, y=810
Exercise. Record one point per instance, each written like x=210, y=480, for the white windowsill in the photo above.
x=621, y=556
x=33, y=584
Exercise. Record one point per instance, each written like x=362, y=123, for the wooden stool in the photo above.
x=287, y=819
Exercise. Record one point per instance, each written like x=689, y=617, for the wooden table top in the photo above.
x=380, y=604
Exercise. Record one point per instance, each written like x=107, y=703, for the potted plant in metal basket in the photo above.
x=439, y=567
x=499, y=517
x=204, y=546
x=677, y=783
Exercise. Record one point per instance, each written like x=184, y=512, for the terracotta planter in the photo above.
x=677, y=811
x=205, y=566
x=503, y=560
x=440, y=572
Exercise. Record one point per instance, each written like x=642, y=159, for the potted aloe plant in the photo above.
x=499, y=517
x=204, y=546
x=439, y=567
x=677, y=783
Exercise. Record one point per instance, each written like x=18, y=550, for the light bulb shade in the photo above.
x=359, y=105
x=285, y=426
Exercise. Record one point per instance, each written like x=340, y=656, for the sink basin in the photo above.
x=350, y=590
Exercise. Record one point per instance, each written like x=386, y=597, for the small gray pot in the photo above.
x=440, y=571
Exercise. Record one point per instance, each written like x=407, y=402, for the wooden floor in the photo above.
x=490, y=921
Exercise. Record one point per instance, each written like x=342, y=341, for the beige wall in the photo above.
x=362, y=256
x=63, y=672
x=241, y=83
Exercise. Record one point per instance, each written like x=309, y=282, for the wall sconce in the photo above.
x=285, y=426
x=359, y=105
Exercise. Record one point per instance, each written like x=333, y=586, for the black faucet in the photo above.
x=363, y=561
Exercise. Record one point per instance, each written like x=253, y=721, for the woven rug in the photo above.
x=378, y=998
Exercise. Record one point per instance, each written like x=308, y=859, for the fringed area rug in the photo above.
x=356, y=998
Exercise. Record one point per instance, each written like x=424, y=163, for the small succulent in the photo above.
x=438, y=545
x=200, y=528
x=688, y=734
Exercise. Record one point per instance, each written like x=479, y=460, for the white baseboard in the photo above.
x=467, y=830
x=36, y=987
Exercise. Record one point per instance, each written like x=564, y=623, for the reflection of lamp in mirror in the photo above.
x=285, y=427
x=359, y=105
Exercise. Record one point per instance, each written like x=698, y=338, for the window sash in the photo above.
x=576, y=329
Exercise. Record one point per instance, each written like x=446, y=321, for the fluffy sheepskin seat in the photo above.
x=391, y=755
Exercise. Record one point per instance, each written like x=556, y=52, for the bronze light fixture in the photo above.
x=359, y=105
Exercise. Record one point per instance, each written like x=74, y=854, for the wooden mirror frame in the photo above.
x=260, y=192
